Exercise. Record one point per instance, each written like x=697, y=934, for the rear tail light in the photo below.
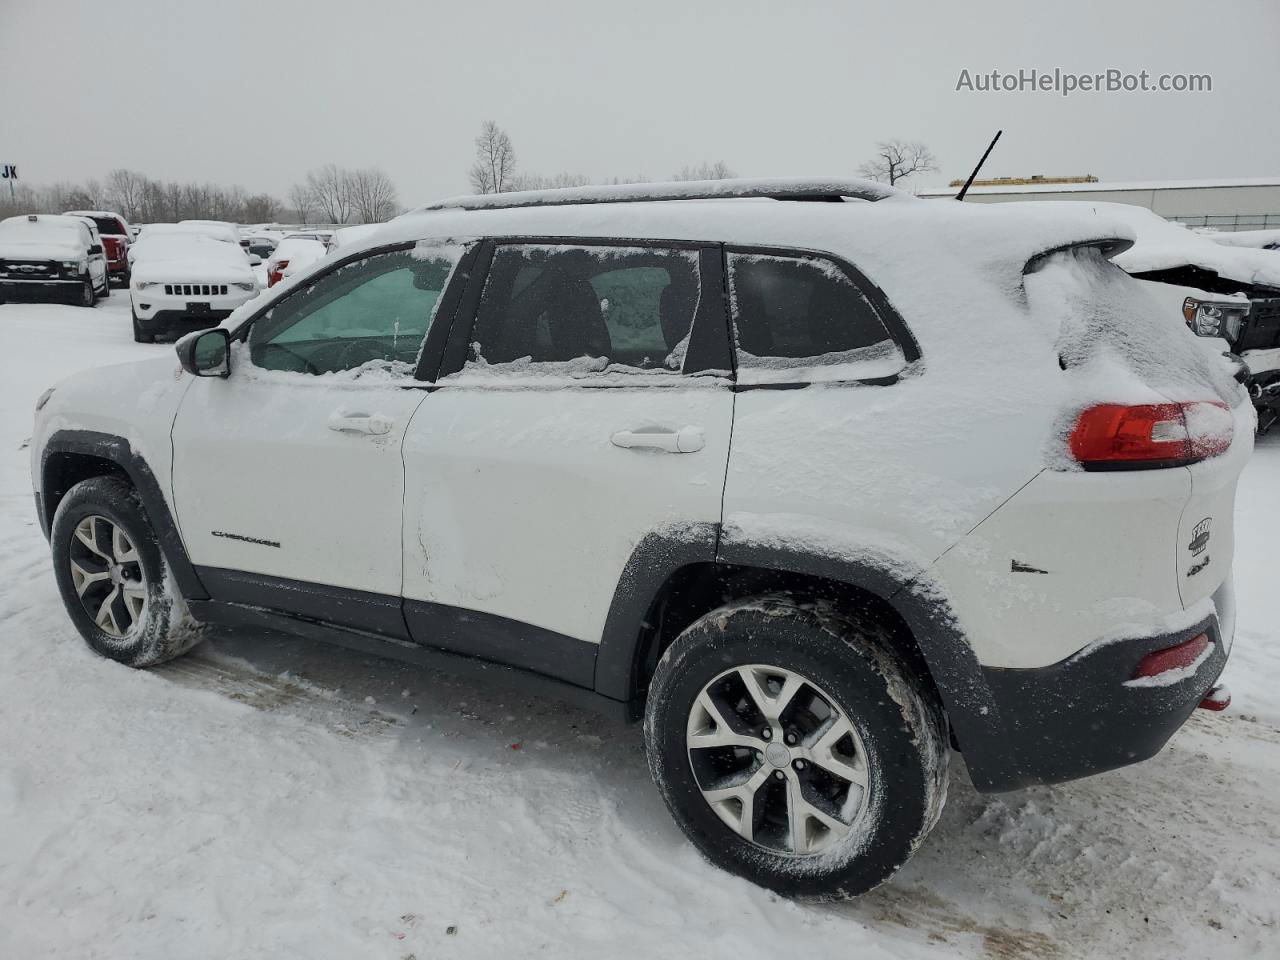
x=1113, y=436
x=276, y=273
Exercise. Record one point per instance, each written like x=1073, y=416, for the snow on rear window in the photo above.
x=801, y=319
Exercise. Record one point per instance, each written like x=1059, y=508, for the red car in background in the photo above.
x=115, y=241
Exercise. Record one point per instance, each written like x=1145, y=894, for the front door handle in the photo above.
x=684, y=440
x=374, y=424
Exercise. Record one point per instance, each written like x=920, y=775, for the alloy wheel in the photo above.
x=777, y=759
x=106, y=571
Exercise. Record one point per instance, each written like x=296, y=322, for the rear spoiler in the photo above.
x=1108, y=246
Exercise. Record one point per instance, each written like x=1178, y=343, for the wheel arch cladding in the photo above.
x=709, y=571
x=70, y=456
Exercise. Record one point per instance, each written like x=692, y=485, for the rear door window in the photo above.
x=800, y=318
x=585, y=309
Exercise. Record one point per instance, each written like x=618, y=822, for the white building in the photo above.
x=1251, y=204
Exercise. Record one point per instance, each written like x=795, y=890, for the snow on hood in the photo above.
x=1162, y=245
x=40, y=250
x=1258, y=239
x=194, y=270
x=48, y=238
x=189, y=258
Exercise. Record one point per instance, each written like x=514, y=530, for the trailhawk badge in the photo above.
x=1199, y=543
x=1200, y=537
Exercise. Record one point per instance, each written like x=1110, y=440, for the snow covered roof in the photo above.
x=901, y=232
x=1107, y=187
x=789, y=188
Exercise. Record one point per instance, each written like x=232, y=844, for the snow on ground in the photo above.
x=268, y=798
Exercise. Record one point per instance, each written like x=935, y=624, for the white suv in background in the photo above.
x=186, y=281
x=818, y=489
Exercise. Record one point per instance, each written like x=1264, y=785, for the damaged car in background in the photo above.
x=1227, y=293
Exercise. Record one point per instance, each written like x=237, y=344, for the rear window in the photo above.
x=793, y=312
x=109, y=226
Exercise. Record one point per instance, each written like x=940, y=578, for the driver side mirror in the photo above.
x=206, y=353
x=95, y=248
x=254, y=259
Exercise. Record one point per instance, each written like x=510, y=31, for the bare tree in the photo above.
x=260, y=208
x=495, y=166
x=896, y=160
x=373, y=195
x=705, y=171
x=124, y=192
x=330, y=188
x=536, y=181
x=301, y=202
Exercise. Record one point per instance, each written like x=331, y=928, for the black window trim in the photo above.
x=441, y=322
x=709, y=348
x=897, y=328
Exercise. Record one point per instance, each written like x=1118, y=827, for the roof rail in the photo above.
x=793, y=188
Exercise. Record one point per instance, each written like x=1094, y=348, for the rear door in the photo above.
x=584, y=410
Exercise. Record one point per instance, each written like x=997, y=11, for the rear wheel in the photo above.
x=113, y=577
x=794, y=749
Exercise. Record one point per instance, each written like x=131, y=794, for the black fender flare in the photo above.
x=972, y=710
x=117, y=450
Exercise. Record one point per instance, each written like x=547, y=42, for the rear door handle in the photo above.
x=684, y=440
x=374, y=424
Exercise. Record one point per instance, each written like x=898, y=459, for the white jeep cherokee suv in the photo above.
x=820, y=480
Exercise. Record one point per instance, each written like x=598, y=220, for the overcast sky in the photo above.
x=256, y=93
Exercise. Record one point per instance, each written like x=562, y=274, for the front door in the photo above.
x=588, y=416
x=288, y=477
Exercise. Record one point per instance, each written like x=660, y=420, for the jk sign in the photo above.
x=8, y=171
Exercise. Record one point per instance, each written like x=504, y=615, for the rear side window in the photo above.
x=800, y=318
x=591, y=307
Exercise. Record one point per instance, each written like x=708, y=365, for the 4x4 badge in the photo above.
x=1200, y=537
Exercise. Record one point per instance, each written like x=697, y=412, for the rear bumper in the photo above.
x=1079, y=717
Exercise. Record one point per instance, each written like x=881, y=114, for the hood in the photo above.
x=43, y=250
x=191, y=271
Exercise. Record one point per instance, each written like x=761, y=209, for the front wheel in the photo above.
x=794, y=749
x=113, y=577
x=86, y=296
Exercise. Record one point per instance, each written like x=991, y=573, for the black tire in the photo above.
x=901, y=727
x=140, y=335
x=163, y=629
x=85, y=296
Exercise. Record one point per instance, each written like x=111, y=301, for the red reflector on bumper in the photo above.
x=1172, y=658
x=1219, y=698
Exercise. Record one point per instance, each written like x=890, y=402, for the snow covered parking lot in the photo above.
x=267, y=798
